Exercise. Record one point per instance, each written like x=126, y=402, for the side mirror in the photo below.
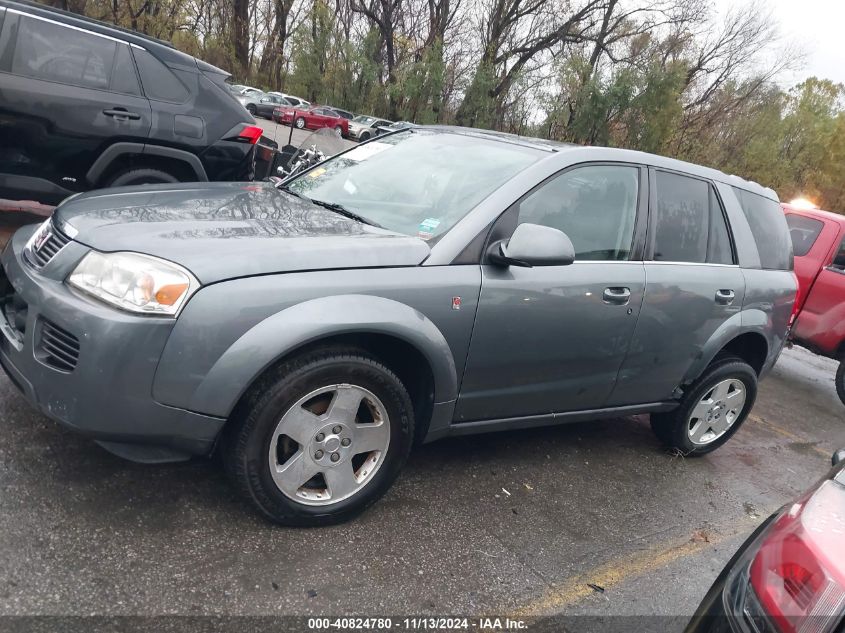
x=533, y=245
x=838, y=457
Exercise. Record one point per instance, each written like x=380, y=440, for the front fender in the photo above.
x=310, y=321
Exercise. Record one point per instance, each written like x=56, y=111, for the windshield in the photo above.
x=416, y=182
x=364, y=120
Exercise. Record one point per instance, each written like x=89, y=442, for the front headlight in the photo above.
x=138, y=283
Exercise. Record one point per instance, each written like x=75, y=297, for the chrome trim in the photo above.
x=690, y=264
x=71, y=26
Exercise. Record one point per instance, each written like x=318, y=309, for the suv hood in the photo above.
x=220, y=231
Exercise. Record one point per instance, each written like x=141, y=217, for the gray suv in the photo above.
x=431, y=283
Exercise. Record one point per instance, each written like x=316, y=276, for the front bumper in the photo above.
x=107, y=395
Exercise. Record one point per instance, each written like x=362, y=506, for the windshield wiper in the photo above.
x=339, y=208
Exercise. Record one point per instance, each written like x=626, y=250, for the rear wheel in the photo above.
x=321, y=439
x=712, y=409
x=365, y=136
x=251, y=109
x=142, y=176
x=840, y=380
x=300, y=123
x=339, y=130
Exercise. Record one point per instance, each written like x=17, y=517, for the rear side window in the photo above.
x=56, y=53
x=804, y=232
x=124, y=78
x=159, y=83
x=689, y=223
x=768, y=226
x=596, y=206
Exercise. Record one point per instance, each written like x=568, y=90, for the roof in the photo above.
x=614, y=153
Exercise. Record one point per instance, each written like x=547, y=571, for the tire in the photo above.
x=678, y=429
x=142, y=176
x=299, y=123
x=840, y=380
x=251, y=109
x=365, y=136
x=339, y=130
x=299, y=398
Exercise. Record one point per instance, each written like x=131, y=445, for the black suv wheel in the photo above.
x=144, y=176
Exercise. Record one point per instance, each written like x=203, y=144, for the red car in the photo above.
x=818, y=241
x=789, y=576
x=312, y=119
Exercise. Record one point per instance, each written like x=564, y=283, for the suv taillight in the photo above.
x=250, y=134
x=798, y=573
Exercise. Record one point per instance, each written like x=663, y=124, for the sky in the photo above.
x=818, y=28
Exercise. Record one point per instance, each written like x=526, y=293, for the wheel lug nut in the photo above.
x=335, y=457
x=318, y=455
x=337, y=429
x=320, y=437
x=345, y=441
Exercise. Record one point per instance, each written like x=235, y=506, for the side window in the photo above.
x=718, y=241
x=682, y=218
x=838, y=263
x=49, y=51
x=804, y=232
x=124, y=78
x=595, y=205
x=158, y=82
x=769, y=228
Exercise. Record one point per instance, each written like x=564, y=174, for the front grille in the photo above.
x=13, y=307
x=57, y=347
x=46, y=244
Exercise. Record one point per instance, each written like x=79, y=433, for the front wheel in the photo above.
x=712, y=409
x=300, y=123
x=321, y=439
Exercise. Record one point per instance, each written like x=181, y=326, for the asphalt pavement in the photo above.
x=516, y=523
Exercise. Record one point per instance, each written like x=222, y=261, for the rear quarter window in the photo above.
x=157, y=79
x=804, y=232
x=769, y=228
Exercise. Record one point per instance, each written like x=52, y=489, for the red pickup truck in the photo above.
x=818, y=241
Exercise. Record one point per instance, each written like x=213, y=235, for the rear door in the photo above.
x=68, y=93
x=551, y=339
x=693, y=285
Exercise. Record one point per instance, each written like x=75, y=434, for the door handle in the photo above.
x=616, y=295
x=122, y=115
x=725, y=297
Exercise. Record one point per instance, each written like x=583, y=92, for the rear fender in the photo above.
x=728, y=331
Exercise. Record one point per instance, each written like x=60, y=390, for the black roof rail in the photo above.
x=85, y=18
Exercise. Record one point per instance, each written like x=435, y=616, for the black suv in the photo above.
x=84, y=104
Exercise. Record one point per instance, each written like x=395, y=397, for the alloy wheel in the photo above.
x=329, y=444
x=716, y=412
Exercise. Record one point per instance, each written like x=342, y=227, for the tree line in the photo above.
x=665, y=76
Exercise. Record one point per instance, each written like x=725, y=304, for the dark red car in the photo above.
x=789, y=576
x=313, y=118
x=818, y=241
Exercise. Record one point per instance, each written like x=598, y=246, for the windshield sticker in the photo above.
x=363, y=152
x=316, y=173
x=349, y=187
x=425, y=231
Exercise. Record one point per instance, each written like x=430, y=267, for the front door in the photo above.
x=552, y=338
